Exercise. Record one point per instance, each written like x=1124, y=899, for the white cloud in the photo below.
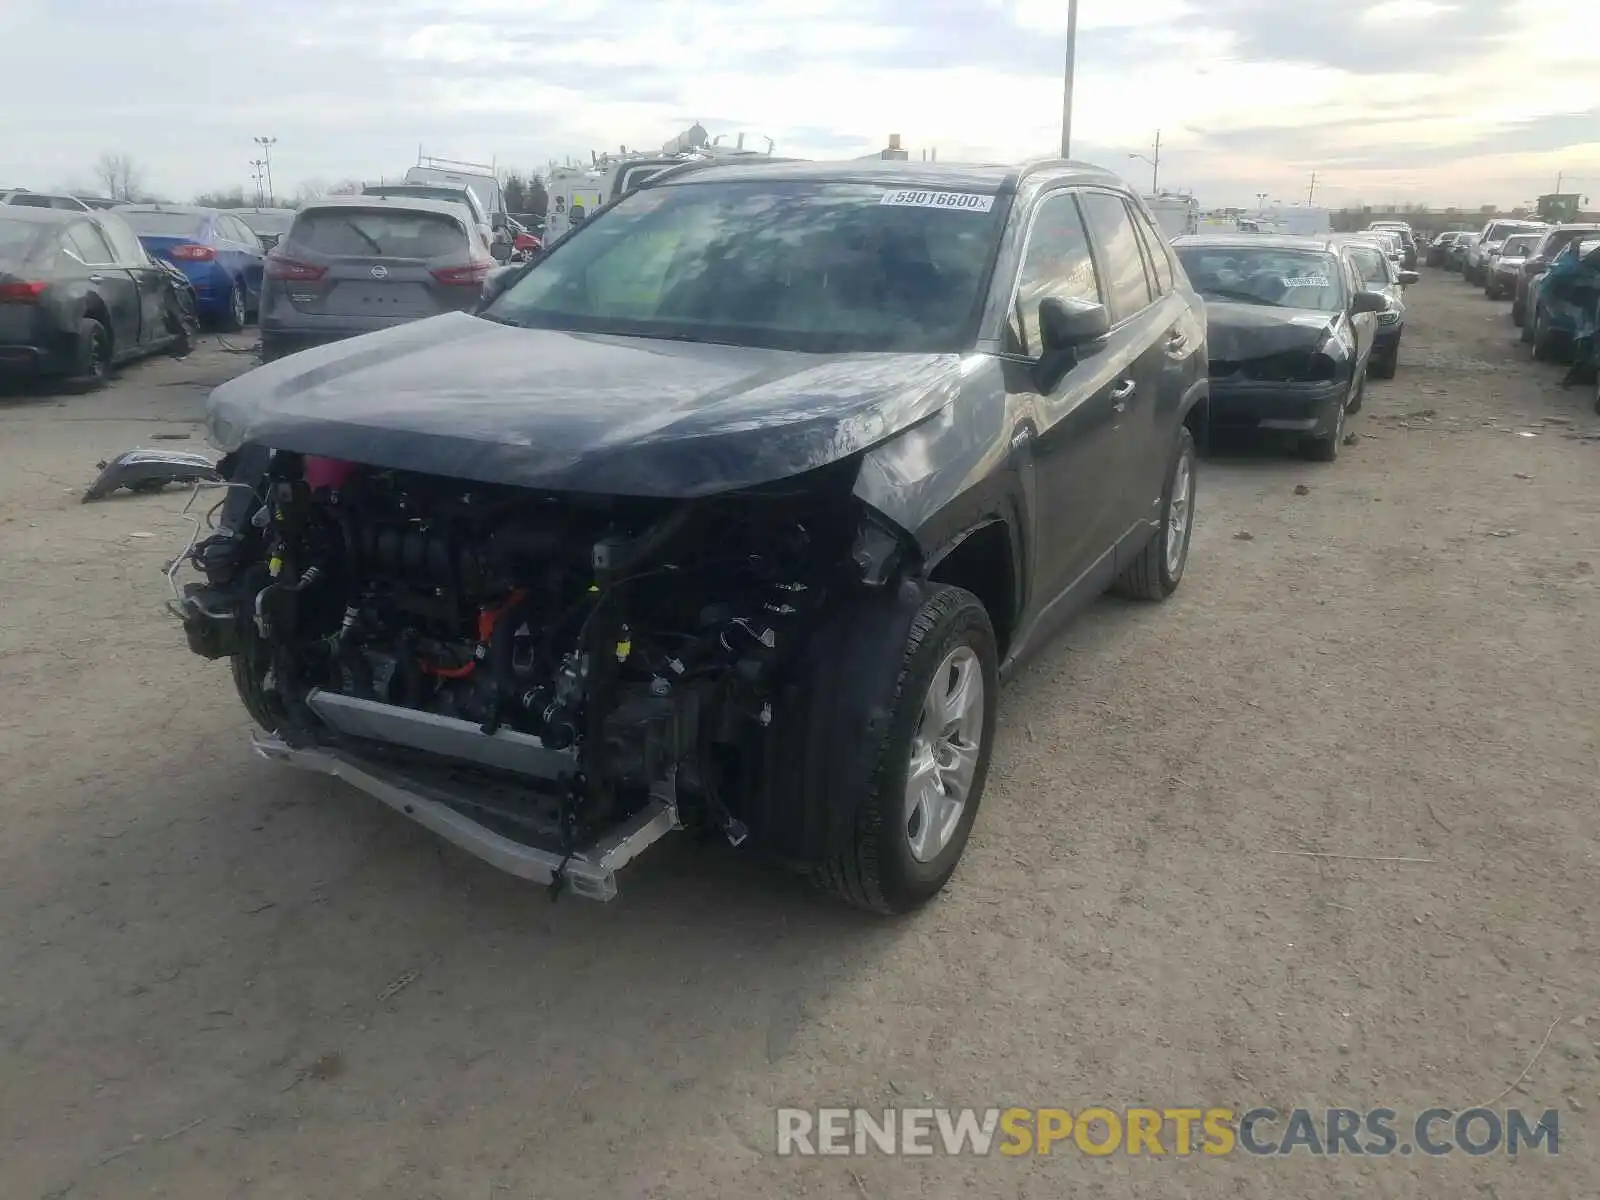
x=351, y=87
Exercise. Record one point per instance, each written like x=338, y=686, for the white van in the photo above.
x=478, y=178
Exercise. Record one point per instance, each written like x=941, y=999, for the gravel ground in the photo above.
x=225, y=979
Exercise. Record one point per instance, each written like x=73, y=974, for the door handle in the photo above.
x=97, y=279
x=1175, y=339
x=1121, y=392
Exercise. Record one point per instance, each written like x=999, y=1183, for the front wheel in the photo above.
x=912, y=825
x=1543, y=338
x=1326, y=449
x=1158, y=570
x=1382, y=368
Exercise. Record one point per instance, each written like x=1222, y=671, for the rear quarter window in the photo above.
x=379, y=233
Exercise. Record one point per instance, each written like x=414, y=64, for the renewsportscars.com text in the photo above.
x=1100, y=1132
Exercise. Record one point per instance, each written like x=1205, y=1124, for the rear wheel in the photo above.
x=1516, y=312
x=237, y=312
x=91, y=363
x=1158, y=570
x=912, y=825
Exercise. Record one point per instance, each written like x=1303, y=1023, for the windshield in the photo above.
x=378, y=233
x=16, y=238
x=1266, y=275
x=1370, y=265
x=1520, y=245
x=267, y=222
x=164, y=223
x=821, y=267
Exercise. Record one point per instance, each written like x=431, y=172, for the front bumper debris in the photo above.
x=588, y=871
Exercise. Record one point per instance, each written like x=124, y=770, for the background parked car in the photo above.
x=1504, y=265
x=23, y=198
x=268, y=224
x=1408, y=241
x=1439, y=248
x=354, y=264
x=1378, y=274
x=219, y=253
x=1456, y=257
x=1290, y=329
x=1490, y=239
x=1554, y=241
x=1563, y=300
x=78, y=294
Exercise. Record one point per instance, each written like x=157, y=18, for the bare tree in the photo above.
x=345, y=187
x=310, y=189
x=119, y=175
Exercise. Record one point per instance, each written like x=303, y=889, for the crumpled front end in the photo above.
x=551, y=680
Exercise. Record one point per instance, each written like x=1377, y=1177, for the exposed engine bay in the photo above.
x=573, y=660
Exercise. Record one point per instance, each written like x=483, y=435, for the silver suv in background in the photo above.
x=355, y=264
x=1489, y=241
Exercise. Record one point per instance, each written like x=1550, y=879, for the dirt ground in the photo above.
x=226, y=979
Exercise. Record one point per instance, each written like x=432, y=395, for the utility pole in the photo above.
x=1311, y=192
x=1560, y=175
x=260, y=168
x=1155, y=166
x=1066, y=90
x=266, y=144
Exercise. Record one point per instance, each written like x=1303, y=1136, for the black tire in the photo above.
x=1326, y=449
x=270, y=350
x=91, y=357
x=1516, y=313
x=1152, y=576
x=1527, y=331
x=1544, y=348
x=237, y=314
x=1491, y=291
x=248, y=674
x=877, y=870
x=1381, y=368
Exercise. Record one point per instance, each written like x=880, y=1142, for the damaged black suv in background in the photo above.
x=729, y=514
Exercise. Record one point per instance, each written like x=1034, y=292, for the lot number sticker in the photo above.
x=959, y=201
x=1306, y=281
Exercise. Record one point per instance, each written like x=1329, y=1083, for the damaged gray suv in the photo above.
x=729, y=514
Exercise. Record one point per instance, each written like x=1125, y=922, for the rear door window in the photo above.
x=85, y=241
x=1155, y=250
x=128, y=250
x=379, y=233
x=1117, y=254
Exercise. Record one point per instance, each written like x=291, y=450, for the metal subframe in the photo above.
x=588, y=871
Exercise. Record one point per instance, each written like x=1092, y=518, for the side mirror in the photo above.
x=1407, y=278
x=497, y=221
x=500, y=251
x=1069, y=324
x=1369, y=302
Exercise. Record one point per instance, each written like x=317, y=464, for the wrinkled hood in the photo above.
x=461, y=396
x=1241, y=331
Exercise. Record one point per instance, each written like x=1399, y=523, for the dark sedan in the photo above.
x=78, y=294
x=1291, y=329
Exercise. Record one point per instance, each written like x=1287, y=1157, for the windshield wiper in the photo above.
x=367, y=238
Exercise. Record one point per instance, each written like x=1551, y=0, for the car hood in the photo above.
x=461, y=396
x=1235, y=332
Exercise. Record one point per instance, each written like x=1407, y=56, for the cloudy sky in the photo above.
x=1461, y=102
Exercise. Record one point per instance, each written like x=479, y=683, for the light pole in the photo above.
x=1261, y=200
x=1155, y=166
x=259, y=165
x=1066, y=85
x=266, y=144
